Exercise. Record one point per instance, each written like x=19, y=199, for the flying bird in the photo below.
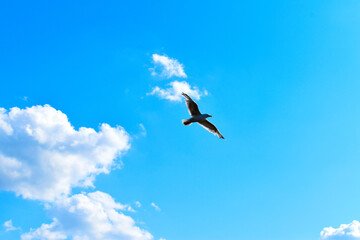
x=199, y=118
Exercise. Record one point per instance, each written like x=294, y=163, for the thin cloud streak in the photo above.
x=155, y=206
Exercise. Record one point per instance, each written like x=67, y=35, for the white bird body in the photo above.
x=199, y=118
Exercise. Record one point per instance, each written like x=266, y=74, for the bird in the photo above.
x=199, y=118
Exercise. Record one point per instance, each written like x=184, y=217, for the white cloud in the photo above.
x=169, y=67
x=43, y=157
x=155, y=206
x=143, y=132
x=173, y=93
x=5, y=127
x=349, y=231
x=9, y=226
x=45, y=232
x=138, y=204
x=92, y=216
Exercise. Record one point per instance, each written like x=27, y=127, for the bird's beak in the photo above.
x=210, y=116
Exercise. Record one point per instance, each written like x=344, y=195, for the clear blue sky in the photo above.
x=283, y=84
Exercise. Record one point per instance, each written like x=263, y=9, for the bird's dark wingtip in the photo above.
x=185, y=95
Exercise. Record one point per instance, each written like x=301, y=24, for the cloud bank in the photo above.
x=349, y=231
x=93, y=216
x=169, y=67
x=173, y=93
x=43, y=157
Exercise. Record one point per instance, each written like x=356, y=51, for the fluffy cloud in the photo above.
x=349, y=231
x=169, y=67
x=92, y=216
x=9, y=226
x=45, y=232
x=43, y=157
x=173, y=93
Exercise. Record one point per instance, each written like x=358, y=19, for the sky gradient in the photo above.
x=280, y=78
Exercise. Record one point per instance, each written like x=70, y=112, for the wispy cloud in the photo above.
x=173, y=93
x=167, y=67
x=9, y=226
x=349, y=231
x=138, y=204
x=143, y=132
x=155, y=206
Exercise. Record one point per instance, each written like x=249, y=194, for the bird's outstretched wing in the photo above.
x=211, y=128
x=191, y=105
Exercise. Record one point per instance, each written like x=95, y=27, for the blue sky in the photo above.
x=281, y=79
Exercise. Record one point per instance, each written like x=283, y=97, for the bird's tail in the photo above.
x=186, y=122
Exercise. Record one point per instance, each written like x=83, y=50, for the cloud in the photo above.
x=138, y=204
x=43, y=157
x=143, y=132
x=45, y=232
x=9, y=226
x=349, y=231
x=169, y=67
x=91, y=216
x=173, y=93
x=155, y=206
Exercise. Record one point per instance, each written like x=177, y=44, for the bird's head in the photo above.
x=208, y=115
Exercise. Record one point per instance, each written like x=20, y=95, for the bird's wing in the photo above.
x=211, y=128
x=191, y=105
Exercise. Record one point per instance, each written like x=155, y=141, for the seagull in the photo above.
x=199, y=118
